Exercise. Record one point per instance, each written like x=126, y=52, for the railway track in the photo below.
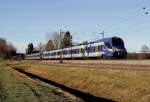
x=137, y=67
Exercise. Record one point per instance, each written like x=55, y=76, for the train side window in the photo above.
x=72, y=51
x=96, y=49
x=65, y=52
x=77, y=51
x=99, y=47
x=62, y=52
x=93, y=49
x=69, y=51
x=82, y=50
x=107, y=44
x=58, y=53
x=88, y=49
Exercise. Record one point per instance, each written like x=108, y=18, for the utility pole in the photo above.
x=102, y=34
x=61, y=59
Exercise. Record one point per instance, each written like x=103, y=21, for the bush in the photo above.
x=138, y=56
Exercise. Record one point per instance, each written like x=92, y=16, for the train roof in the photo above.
x=104, y=40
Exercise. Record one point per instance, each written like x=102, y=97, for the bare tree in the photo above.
x=55, y=37
x=41, y=47
x=56, y=40
x=145, y=49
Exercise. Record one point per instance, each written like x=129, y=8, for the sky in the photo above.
x=25, y=21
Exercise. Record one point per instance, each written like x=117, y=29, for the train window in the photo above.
x=99, y=47
x=65, y=52
x=77, y=51
x=82, y=51
x=72, y=51
x=58, y=53
x=69, y=51
x=88, y=49
x=52, y=54
x=96, y=48
x=107, y=44
x=93, y=49
x=102, y=46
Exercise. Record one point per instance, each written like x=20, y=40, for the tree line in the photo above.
x=55, y=41
x=7, y=50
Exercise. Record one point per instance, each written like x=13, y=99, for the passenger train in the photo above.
x=112, y=47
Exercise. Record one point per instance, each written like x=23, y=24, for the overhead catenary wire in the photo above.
x=129, y=26
x=126, y=25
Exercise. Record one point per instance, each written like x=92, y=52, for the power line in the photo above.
x=132, y=30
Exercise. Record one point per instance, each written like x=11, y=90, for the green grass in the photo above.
x=15, y=87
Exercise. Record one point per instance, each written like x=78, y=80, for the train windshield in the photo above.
x=118, y=42
x=108, y=45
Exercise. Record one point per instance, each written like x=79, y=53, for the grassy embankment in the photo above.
x=118, y=85
x=16, y=87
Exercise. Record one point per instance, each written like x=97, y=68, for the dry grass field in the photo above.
x=120, y=85
x=16, y=87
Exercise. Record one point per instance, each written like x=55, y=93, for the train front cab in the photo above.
x=119, y=49
x=114, y=47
